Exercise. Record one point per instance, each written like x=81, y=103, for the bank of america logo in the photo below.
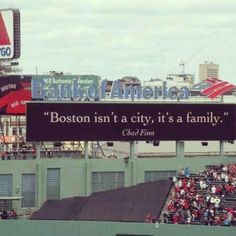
x=213, y=87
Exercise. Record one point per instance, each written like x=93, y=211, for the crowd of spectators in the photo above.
x=5, y=215
x=201, y=198
x=18, y=154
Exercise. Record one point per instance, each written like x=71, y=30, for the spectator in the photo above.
x=149, y=218
x=187, y=172
x=217, y=202
x=174, y=179
x=13, y=214
x=4, y=215
x=213, y=189
x=3, y=155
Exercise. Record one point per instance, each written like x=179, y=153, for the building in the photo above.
x=208, y=70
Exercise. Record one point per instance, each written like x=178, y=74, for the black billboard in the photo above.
x=47, y=121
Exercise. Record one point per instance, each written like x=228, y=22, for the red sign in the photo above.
x=4, y=38
x=14, y=93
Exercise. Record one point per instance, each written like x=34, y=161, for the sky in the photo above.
x=146, y=39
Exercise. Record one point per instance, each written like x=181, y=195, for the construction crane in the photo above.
x=183, y=63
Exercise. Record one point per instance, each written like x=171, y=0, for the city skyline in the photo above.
x=146, y=39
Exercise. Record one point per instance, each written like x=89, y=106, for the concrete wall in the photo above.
x=76, y=228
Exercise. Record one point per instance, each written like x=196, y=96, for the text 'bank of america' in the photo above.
x=42, y=89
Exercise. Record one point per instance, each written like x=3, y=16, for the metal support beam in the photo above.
x=87, y=185
x=132, y=162
x=221, y=148
x=86, y=156
x=180, y=149
x=132, y=147
x=37, y=146
x=39, y=176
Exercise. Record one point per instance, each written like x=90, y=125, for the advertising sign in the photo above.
x=14, y=93
x=79, y=88
x=63, y=87
x=9, y=34
x=129, y=121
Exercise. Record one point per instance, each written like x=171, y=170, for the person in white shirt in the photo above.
x=226, y=178
x=213, y=189
x=217, y=202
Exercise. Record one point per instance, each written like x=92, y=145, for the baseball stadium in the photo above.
x=82, y=155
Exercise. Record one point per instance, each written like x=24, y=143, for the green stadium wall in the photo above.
x=85, y=228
